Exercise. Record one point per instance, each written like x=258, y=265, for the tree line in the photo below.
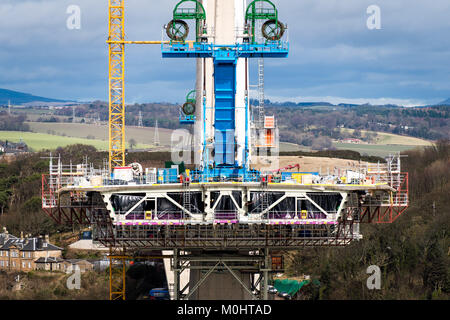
x=311, y=125
x=12, y=123
x=413, y=253
x=303, y=125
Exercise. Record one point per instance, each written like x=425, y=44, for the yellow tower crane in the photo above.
x=116, y=83
x=116, y=41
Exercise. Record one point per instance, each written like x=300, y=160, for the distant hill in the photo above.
x=16, y=97
x=269, y=103
x=444, y=103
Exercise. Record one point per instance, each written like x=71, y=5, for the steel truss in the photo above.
x=380, y=214
x=93, y=211
x=221, y=237
x=258, y=265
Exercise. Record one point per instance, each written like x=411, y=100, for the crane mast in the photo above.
x=116, y=84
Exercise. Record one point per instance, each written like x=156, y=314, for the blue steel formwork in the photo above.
x=225, y=60
x=270, y=49
x=224, y=121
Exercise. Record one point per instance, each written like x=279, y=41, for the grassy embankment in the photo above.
x=385, y=143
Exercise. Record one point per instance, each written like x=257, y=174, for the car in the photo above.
x=159, y=294
x=272, y=289
x=286, y=296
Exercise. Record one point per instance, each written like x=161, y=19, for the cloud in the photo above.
x=333, y=54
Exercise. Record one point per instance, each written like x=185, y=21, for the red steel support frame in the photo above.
x=381, y=214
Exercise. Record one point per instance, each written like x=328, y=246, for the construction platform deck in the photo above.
x=159, y=211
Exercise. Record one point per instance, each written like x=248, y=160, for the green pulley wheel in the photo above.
x=189, y=108
x=177, y=30
x=272, y=30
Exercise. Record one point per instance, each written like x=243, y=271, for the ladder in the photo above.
x=264, y=196
x=186, y=196
x=261, y=93
x=260, y=74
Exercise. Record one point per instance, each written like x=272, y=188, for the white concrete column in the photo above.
x=205, y=84
x=170, y=275
x=224, y=18
x=239, y=18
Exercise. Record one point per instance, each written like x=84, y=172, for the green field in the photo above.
x=386, y=143
x=384, y=138
x=40, y=141
x=374, y=150
x=292, y=147
x=43, y=141
x=140, y=135
x=52, y=135
x=143, y=136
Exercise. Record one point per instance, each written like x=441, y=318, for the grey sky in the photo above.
x=333, y=55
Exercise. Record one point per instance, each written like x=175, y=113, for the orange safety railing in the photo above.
x=48, y=193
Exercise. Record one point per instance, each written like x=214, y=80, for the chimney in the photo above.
x=39, y=243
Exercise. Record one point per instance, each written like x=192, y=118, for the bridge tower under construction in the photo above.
x=221, y=226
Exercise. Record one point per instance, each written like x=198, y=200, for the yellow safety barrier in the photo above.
x=304, y=214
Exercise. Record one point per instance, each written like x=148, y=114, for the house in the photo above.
x=352, y=140
x=11, y=148
x=49, y=264
x=37, y=253
x=27, y=253
x=72, y=264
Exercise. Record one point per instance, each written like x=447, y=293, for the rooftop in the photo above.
x=26, y=244
x=49, y=260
